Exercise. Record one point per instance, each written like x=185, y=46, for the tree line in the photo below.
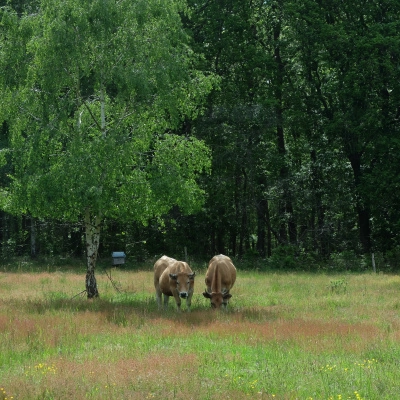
x=250, y=128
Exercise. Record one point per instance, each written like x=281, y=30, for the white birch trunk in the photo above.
x=92, y=223
x=92, y=234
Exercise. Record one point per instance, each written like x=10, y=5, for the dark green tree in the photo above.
x=347, y=56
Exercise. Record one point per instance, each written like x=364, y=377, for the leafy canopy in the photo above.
x=103, y=87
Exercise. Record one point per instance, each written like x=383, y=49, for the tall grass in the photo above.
x=285, y=336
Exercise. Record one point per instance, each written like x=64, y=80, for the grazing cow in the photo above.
x=173, y=278
x=220, y=277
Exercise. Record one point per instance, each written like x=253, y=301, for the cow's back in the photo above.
x=226, y=270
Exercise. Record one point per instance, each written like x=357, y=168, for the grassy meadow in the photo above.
x=285, y=336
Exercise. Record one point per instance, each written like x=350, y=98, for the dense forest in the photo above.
x=264, y=130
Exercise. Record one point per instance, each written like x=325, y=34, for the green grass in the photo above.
x=285, y=336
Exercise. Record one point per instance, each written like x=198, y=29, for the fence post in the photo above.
x=373, y=262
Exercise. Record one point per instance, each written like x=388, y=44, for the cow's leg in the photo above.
x=226, y=298
x=189, y=301
x=158, y=296
x=177, y=300
x=166, y=300
x=225, y=303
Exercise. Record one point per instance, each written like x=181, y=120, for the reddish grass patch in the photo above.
x=311, y=335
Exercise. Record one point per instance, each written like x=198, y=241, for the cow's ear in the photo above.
x=191, y=276
x=173, y=276
x=207, y=295
x=227, y=296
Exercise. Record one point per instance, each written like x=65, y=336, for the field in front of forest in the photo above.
x=285, y=336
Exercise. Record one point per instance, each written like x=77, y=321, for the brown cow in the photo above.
x=220, y=277
x=173, y=278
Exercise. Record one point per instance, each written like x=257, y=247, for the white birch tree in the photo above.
x=103, y=85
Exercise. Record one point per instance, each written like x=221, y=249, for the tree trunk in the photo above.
x=220, y=242
x=261, y=226
x=285, y=208
x=362, y=209
x=320, y=236
x=243, y=237
x=92, y=224
x=33, y=237
x=92, y=233
x=213, y=245
x=232, y=240
x=3, y=232
x=76, y=242
x=269, y=231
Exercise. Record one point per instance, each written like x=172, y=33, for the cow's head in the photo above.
x=184, y=283
x=217, y=298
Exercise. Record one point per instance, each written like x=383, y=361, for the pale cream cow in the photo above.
x=173, y=278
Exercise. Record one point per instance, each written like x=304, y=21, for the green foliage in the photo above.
x=349, y=261
x=307, y=68
x=93, y=96
x=100, y=83
x=338, y=286
x=285, y=258
x=295, y=102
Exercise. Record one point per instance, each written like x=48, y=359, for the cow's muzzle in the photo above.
x=183, y=295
